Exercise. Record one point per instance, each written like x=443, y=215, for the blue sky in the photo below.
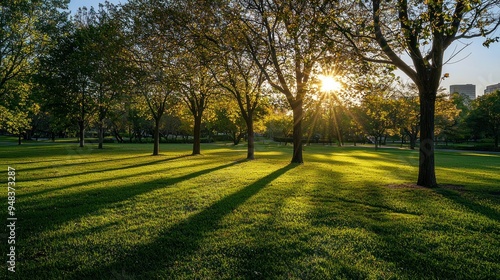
x=75, y=4
x=475, y=65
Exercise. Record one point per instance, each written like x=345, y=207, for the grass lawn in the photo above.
x=347, y=213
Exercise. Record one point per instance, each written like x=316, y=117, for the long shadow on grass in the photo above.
x=183, y=239
x=469, y=203
x=391, y=241
x=147, y=163
x=46, y=215
x=79, y=164
x=114, y=178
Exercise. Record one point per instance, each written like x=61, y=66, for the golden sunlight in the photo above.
x=329, y=84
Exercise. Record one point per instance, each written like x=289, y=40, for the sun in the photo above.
x=329, y=84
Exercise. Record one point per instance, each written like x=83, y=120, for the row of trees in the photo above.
x=183, y=58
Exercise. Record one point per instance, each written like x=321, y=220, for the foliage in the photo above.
x=424, y=31
x=288, y=40
x=485, y=116
x=26, y=29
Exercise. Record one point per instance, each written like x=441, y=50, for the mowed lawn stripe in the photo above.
x=346, y=213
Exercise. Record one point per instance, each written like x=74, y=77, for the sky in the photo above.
x=475, y=64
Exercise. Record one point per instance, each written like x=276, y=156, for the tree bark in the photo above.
x=197, y=135
x=81, y=126
x=156, y=136
x=101, y=134
x=413, y=141
x=297, y=131
x=426, y=172
x=251, y=138
x=81, y=122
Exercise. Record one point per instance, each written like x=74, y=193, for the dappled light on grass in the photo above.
x=342, y=214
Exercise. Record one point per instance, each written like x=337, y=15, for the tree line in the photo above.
x=239, y=66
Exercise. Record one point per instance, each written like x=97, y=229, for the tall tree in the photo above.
x=153, y=49
x=26, y=30
x=237, y=73
x=197, y=87
x=110, y=71
x=287, y=39
x=66, y=75
x=423, y=30
x=196, y=29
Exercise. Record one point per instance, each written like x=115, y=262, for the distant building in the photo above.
x=467, y=90
x=492, y=88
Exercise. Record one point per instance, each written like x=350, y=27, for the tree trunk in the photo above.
x=197, y=135
x=413, y=141
x=19, y=139
x=119, y=139
x=81, y=134
x=426, y=172
x=251, y=138
x=156, y=136
x=297, y=132
x=101, y=134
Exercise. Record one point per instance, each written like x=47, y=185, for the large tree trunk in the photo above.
x=251, y=138
x=81, y=134
x=197, y=135
x=156, y=136
x=426, y=172
x=297, y=132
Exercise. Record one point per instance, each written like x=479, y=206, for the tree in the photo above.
x=287, y=39
x=228, y=121
x=408, y=116
x=153, y=50
x=377, y=115
x=197, y=88
x=238, y=74
x=460, y=131
x=65, y=74
x=111, y=71
x=198, y=85
x=26, y=31
x=279, y=124
x=424, y=30
x=485, y=115
x=447, y=116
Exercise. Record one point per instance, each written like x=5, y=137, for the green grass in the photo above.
x=119, y=213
